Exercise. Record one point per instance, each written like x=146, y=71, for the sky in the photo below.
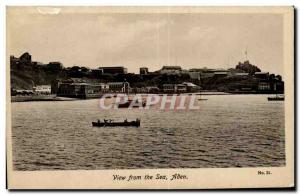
x=150, y=39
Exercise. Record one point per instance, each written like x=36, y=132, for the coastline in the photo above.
x=30, y=98
x=53, y=97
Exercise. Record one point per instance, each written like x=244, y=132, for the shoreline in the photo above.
x=58, y=98
x=40, y=98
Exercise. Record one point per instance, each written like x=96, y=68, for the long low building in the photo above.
x=84, y=88
x=113, y=70
x=81, y=90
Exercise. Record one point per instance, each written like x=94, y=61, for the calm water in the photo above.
x=227, y=131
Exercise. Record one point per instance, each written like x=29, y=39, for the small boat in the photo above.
x=126, y=123
x=276, y=98
x=201, y=99
x=129, y=102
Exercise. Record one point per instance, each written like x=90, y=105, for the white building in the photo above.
x=42, y=89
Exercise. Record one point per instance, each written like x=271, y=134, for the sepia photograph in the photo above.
x=156, y=94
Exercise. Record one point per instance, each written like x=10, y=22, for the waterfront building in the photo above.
x=174, y=88
x=264, y=86
x=191, y=87
x=79, y=90
x=140, y=90
x=42, y=89
x=117, y=87
x=21, y=92
x=168, y=88
x=104, y=87
x=55, y=85
x=152, y=89
x=180, y=88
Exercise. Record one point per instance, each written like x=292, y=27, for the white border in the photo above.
x=4, y=3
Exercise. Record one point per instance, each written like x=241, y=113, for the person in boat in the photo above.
x=125, y=121
x=137, y=120
x=99, y=121
x=105, y=121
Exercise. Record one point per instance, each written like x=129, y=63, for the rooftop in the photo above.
x=171, y=68
x=261, y=73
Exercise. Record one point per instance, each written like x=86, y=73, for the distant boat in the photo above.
x=276, y=98
x=128, y=103
x=126, y=123
x=201, y=99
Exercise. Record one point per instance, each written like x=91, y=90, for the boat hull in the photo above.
x=128, y=103
x=275, y=98
x=117, y=124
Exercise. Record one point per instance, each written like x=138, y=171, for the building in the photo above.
x=241, y=74
x=86, y=88
x=169, y=88
x=119, y=87
x=180, y=88
x=170, y=70
x=220, y=74
x=144, y=71
x=113, y=70
x=264, y=86
x=79, y=90
x=191, y=87
x=15, y=92
x=174, y=88
x=42, y=89
x=152, y=89
x=55, y=85
x=270, y=86
x=104, y=87
x=140, y=90
x=262, y=75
